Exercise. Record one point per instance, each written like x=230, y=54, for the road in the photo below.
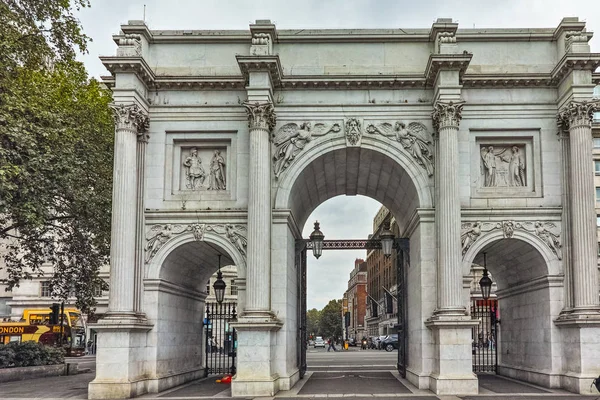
x=354, y=359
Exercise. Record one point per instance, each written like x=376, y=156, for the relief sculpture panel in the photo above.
x=203, y=169
x=503, y=165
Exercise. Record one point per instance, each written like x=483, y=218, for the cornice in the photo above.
x=135, y=65
x=507, y=80
x=596, y=78
x=269, y=64
x=574, y=61
x=353, y=82
x=439, y=62
x=517, y=214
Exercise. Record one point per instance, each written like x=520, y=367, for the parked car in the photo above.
x=319, y=342
x=380, y=339
x=352, y=342
x=390, y=343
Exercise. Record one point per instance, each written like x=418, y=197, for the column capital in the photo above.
x=576, y=114
x=130, y=117
x=260, y=115
x=446, y=114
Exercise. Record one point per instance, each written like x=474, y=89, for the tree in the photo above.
x=331, y=319
x=313, y=318
x=56, y=135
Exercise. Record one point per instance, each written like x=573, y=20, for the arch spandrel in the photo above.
x=537, y=260
x=401, y=179
x=180, y=250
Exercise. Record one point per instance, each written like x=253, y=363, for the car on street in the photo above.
x=379, y=341
x=319, y=342
x=390, y=343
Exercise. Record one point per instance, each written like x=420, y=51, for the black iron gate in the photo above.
x=484, y=336
x=301, y=299
x=402, y=264
x=221, y=338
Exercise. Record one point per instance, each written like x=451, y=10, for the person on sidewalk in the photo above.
x=331, y=344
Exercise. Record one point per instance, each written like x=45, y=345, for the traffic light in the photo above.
x=347, y=318
x=55, y=313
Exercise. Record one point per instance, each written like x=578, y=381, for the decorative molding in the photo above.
x=260, y=115
x=291, y=139
x=265, y=63
x=159, y=234
x=446, y=114
x=414, y=138
x=130, y=45
x=130, y=117
x=438, y=62
x=548, y=232
x=574, y=61
x=576, y=114
x=353, y=132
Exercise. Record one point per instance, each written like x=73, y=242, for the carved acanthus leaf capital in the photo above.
x=130, y=117
x=260, y=115
x=577, y=114
x=446, y=114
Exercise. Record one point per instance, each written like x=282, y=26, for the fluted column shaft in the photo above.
x=129, y=119
x=258, y=276
x=142, y=143
x=446, y=118
x=577, y=119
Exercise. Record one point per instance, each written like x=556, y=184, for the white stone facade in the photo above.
x=226, y=141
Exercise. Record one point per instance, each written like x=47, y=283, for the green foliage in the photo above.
x=28, y=354
x=331, y=319
x=56, y=143
x=313, y=318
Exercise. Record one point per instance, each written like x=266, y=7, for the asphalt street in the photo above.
x=360, y=374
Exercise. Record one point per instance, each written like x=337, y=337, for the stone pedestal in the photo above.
x=452, y=367
x=256, y=344
x=121, y=360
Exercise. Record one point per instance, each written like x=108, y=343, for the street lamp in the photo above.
x=317, y=240
x=485, y=282
x=387, y=240
x=219, y=285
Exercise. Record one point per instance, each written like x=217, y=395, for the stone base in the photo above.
x=452, y=353
x=420, y=381
x=288, y=382
x=453, y=385
x=116, y=390
x=579, y=384
x=539, y=378
x=255, y=387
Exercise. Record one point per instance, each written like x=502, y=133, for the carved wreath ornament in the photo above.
x=549, y=232
x=158, y=235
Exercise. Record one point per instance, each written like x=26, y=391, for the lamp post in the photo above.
x=387, y=240
x=219, y=285
x=317, y=239
x=485, y=282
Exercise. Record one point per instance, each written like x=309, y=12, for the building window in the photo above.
x=597, y=142
x=233, y=287
x=598, y=221
x=597, y=194
x=46, y=289
x=597, y=167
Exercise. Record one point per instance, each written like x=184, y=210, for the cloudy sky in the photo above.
x=341, y=217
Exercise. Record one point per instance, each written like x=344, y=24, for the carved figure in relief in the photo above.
x=489, y=164
x=353, y=131
x=508, y=227
x=549, y=238
x=236, y=238
x=157, y=236
x=289, y=141
x=469, y=235
x=217, y=172
x=516, y=168
x=195, y=173
x=412, y=140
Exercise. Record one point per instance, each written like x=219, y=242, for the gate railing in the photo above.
x=221, y=339
x=484, y=336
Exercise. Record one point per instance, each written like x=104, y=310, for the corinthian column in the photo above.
x=130, y=120
x=576, y=118
x=261, y=120
x=142, y=143
x=446, y=119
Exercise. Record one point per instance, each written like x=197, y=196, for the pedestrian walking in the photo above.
x=331, y=345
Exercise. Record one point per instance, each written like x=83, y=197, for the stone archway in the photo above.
x=530, y=282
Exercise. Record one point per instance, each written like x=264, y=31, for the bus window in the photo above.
x=15, y=339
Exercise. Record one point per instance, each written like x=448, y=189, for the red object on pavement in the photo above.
x=225, y=379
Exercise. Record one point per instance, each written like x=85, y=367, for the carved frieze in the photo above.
x=577, y=114
x=260, y=115
x=414, y=137
x=130, y=117
x=261, y=44
x=503, y=165
x=290, y=139
x=548, y=232
x=158, y=235
x=446, y=114
x=208, y=175
x=353, y=131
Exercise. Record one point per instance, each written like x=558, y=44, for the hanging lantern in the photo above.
x=387, y=240
x=485, y=282
x=317, y=240
x=219, y=285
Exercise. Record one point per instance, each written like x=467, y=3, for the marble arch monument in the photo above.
x=476, y=140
